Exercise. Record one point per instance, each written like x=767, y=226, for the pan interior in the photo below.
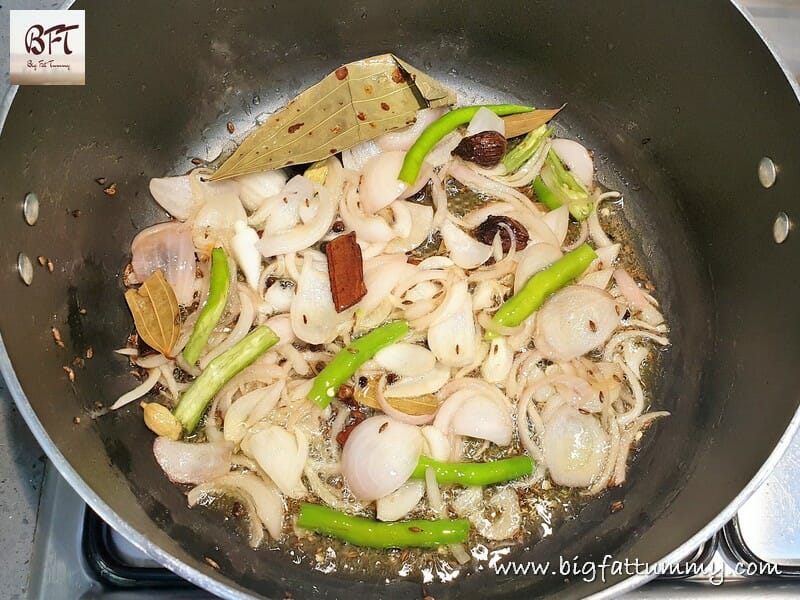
x=661, y=135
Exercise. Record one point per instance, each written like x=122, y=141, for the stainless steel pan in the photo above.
x=680, y=100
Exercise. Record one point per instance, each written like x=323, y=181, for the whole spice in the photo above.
x=161, y=421
x=485, y=149
x=505, y=226
x=155, y=313
x=345, y=270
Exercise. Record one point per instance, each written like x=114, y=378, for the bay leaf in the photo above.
x=523, y=123
x=418, y=405
x=358, y=102
x=155, y=313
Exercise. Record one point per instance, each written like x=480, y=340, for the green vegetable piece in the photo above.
x=212, y=311
x=522, y=152
x=563, y=188
x=365, y=532
x=440, y=128
x=475, y=473
x=347, y=361
x=195, y=400
x=536, y=290
x=545, y=195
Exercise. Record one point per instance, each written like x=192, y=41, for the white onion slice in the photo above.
x=213, y=225
x=379, y=457
x=300, y=237
x=506, y=523
x=486, y=120
x=404, y=358
x=463, y=249
x=174, y=195
x=267, y=501
x=279, y=295
x=355, y=157
x=558, y=222
x=575, y=447
x=402, y=501
x=599, y=279
x=185, y=462
x=282, y=455
x=204, y=494
x=166, y=247
x=427, y=383
x=472, y=411
x=437, y=446
x=532, y=260
x=240, y=416
x=381, y=275
x=452, y=334
x=498, y=362
x=403, y=139
x=246, y=253
x=281, y=324
x=635, y=297
x=314, y=318
x=577, y=159
x=255, y=188
x=379, y=185
x=574, y=321
x=421, y=226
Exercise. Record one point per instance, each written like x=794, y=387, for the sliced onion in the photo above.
x=532, y=260
x=421, y=226
x=498, y=362
x=558, y=222
x=246, y=253
x=486, y=120
x=429, y=382
x=575, y=447
x=300, y=237
x=475, y=412
x=314, y=318
x=463, y=249
x=166, y=247
x=441, y=153
x=279, y=295
x=213, y=225
x=508, y=520
x=255, y=188
x=185, y=462
x=577, y=159
x=379, y=185
x=437, y=446
x=281, y=324
x=240, y=416
x=395, y=413
x=206, y=493
x=402, y=501
x=267, y=501
x=174, y=195
x=403, y=139
x=635, y=297
x=574, y=321
x=404, y=358
x=599, y=279
x=452, y=335
x=355, y=157
x=379, y=457
x=282, y=455
x=381, y=275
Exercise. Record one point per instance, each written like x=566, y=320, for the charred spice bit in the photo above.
x=617, y=506
x=57, y=337
x=110, y=190
x=583, y=411
x=345, y=392
x=70, y=373
x=76, y=213
x=100, y=181
x=197, y=162
x=392, y=378
x=352, y=350
x=415, y=529
x=76, y=420
x=383, y=427
x=337, y=227
x=211, y=562
x=592, y=326
x=362, y=381
x=345, y=271
x=231, y=127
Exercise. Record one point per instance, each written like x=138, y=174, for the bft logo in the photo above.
x=58, y=34
x=47, y=47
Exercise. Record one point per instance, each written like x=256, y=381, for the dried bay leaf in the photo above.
x=357, y=102
x=523, y=123
x=155, y=313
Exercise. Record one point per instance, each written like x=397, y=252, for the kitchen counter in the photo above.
x=22, y=462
